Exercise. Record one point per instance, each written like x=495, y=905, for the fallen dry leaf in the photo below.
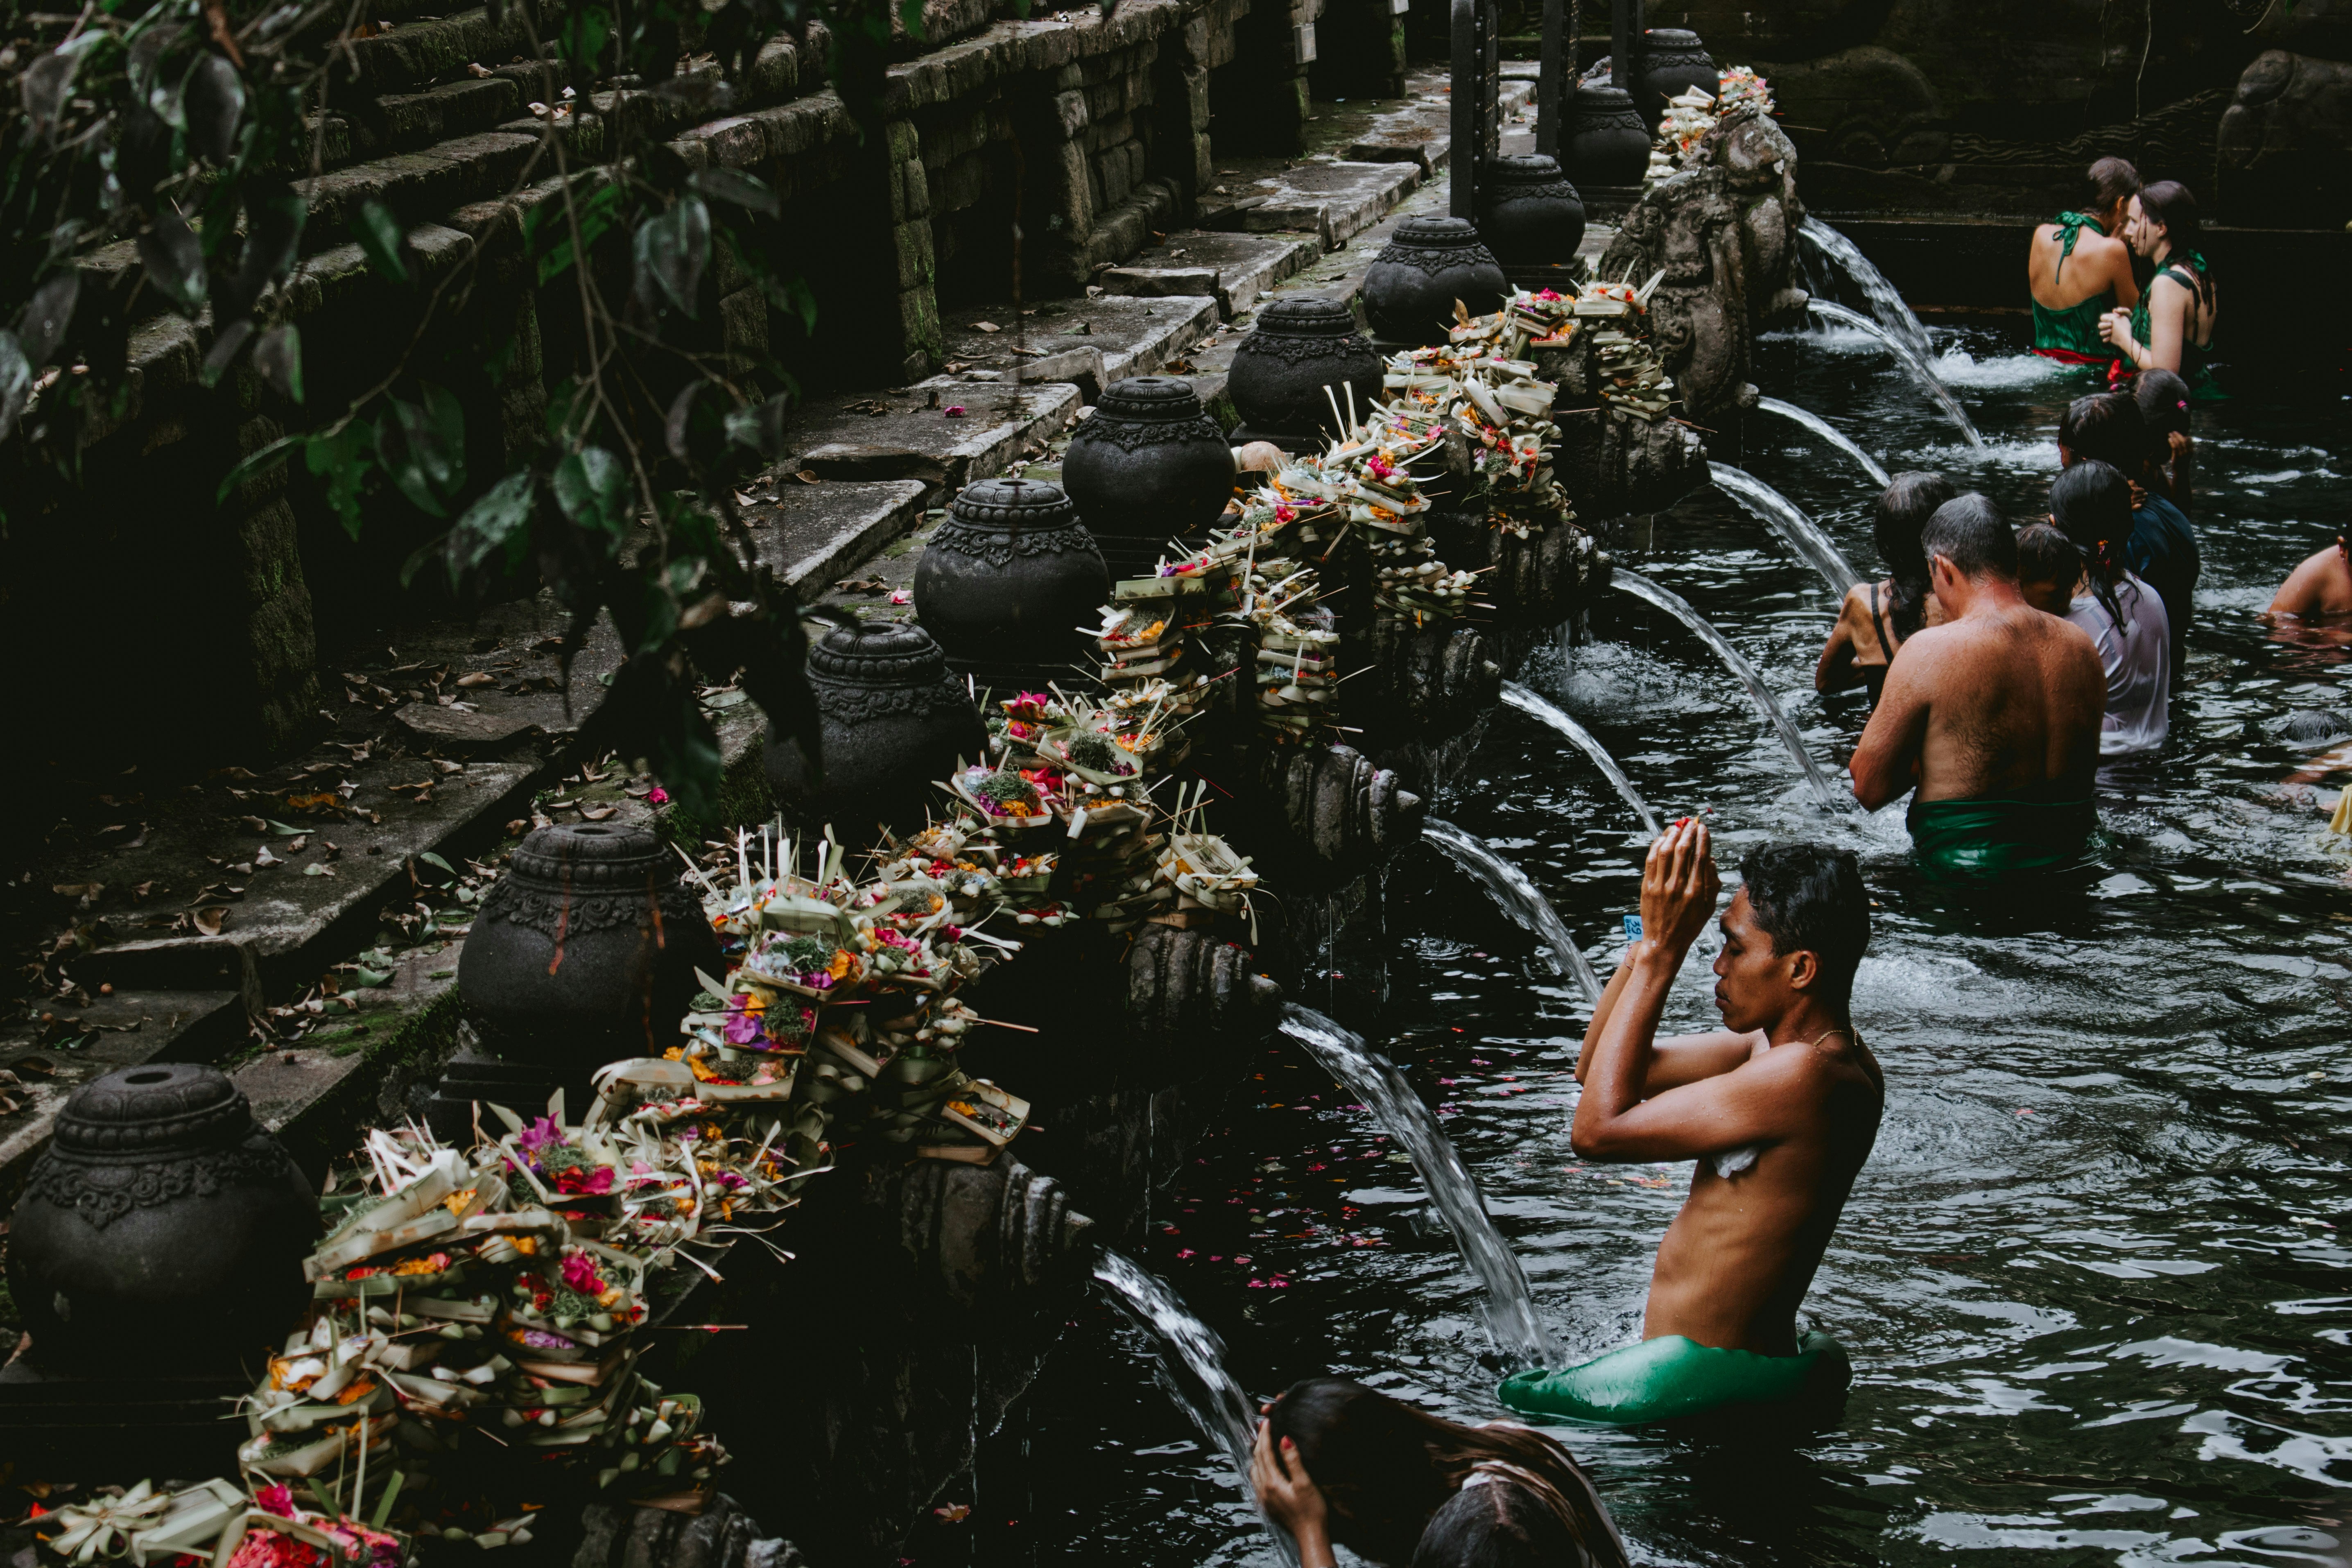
x=295, y=846
x=596, y=813
x=519, y=825
x=266, y=859
x=478, y=678
x=986, y=327
x=442, y=764
x=808, y=477
x=210, y=919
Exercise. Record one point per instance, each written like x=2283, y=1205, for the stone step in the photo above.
x=914, y=435
x=1235, y=267
x=1330, y=198
x=78, y=1043
x=1135, y=334
x=814, y=534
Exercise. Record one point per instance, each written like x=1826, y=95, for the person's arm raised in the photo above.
x=1886, y=761
x=1682, y=1059
x=1678, y=890
x=1835, y=669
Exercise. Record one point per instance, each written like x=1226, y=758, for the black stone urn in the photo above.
x=1150, y=466
x=892, y=721
x=1410, y=289
x=161, y=1232
x=1300, y=347
x=1009, y=581
x=1604, y=142
x=1534, y=217
x=584, y=953
x=1671, y=61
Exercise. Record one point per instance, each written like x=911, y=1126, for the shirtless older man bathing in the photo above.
x=1780, y=1108
x=1993, y=716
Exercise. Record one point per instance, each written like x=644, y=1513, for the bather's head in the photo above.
x=2107, y=426
x=1386, y=1469
x=2048, y=566
x=2108, y=191
x=1795, y=931
x=1967, y=543
x=1904, y=507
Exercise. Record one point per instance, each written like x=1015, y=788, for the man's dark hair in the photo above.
x=1970, y=531
x=1904, y=507
x=2046, y=555
x=2110, y=181
x=2106, y=425
x=1809, y=897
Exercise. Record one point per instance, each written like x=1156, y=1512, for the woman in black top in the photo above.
x=1878, y=616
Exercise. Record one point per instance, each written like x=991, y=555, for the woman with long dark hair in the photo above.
x=1876, y=618
x=1337, y=1462
x=2171, y=328
x=2090, y=504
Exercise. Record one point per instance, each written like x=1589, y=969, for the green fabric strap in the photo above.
x=1672, y=1376
x=2071, y=226
x=2196, y=367
x=1974, y=840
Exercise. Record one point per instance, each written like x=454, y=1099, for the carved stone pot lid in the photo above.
x=591, y=854
x=1529, y=174
x=878, y=653
x=1431, y=243
x=1019, y=506
x=1165, y=399
x=162, y=1108
x=1305, y=316
x=1596, y=102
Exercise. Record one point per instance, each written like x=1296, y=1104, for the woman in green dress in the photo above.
x=2171, y=328
x=2079, y=268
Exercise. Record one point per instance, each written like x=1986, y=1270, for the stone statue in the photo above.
x=1724, y=234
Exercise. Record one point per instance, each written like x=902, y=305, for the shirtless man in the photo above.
x=2319, y=589
x=2079, y=267
x=1780, y=1108
x=1993, y=716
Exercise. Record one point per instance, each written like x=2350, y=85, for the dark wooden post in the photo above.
x=1624, y=41
x=1551, y=79
x=1474, y=97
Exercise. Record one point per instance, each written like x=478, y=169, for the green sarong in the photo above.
x=1672, y=1376
x=2196, y=362
x=1972, y=840
x=2073, y=334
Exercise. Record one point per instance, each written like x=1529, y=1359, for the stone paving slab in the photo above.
x=1234, y=267
x=336, y=1061
x=912, y=435
x=1329, y=198
x=1135, y=336
x=813, y=534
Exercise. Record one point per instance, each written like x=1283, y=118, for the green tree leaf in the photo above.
x=581, y=42
x=342, y=462
x=744, y=190
x=174, y=260
x=41, y=328
x=499, y=524
x=15, y=383
x=672, y=249
x=278, y=357
x=382, y=240
x=214, y=103
x=422, y=449
x=591, y=486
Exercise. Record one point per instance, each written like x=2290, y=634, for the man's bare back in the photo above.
x=1789, y=1103
x=2001, y=701
x=2319, y=589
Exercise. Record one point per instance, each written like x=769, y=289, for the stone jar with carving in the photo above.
x=1009, y=582
x=892, y=720
x=1533, y=216
x=1671, y=62
x=1300, y=347
x=1410, y=291
x=161, y=1232
x=1603, y=142
x=584, y=952
x=1148, y=466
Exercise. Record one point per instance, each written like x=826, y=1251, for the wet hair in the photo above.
x=1904, y=507
x=1809, y=897
x=1498, y=1525
x=2163, y=400
x=2106, y=427
x=2109, y=181
x=1386, y=1469
x=2168, y=202
x=1970, y=531
x=2091, y=503
x=2044, y=554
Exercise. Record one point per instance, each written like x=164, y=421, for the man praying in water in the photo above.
x=1780, y=1108
x=1992, y=717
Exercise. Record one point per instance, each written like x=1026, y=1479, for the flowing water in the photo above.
x=1911, y=360
x=1516, y=897
x=1887, y=306
x=1674, y=604
x=1790, y=521
x=1189, y=1363
x=1545, y=710
x=1829, y=433
x=1511, y=1320
x=2093, y=1278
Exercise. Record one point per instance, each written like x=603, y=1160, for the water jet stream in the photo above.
x=1829, y=433
x=1519, y=898
x=1830, y=310
x=1205, y=1391
x=1548, y=712
x=1649, y=592
x=1886, y=302
x=1510, y=1305
x=1790, y=521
